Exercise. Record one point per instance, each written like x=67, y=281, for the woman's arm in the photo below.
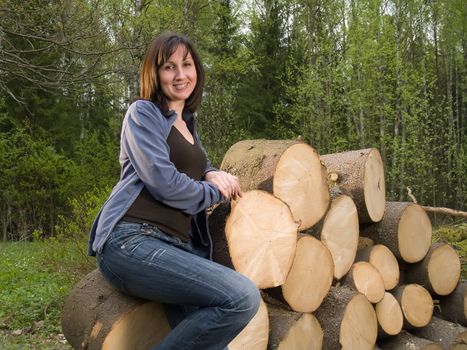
x=144, y=142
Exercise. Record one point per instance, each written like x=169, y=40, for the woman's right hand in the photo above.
x=227, y=184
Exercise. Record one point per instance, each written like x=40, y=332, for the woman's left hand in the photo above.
x=227, y=184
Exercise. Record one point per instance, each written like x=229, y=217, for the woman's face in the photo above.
x=177, y=76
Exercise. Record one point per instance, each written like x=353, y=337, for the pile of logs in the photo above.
x=338, y=266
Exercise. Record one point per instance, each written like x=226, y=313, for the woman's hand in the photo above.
x=227, y=184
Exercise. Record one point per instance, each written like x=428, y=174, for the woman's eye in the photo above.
x=188, y=64
x=169, y=67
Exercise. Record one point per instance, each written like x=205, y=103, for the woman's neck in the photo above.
x=177, y=107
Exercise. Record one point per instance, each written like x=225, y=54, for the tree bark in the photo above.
x=438, y=272
x=441, y=331
x=97, y=316
x=361, y=176
x=348, y=320
x=290, y=170
x=407, y=341
x=453, y=307
x=405, y=230
x=293, y=330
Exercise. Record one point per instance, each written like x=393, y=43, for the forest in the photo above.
x=339, y=74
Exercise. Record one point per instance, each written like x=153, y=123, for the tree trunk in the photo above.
x=385, y=262
x=389, y=315
x=348, y=320
x=309, y=278
x=365, y=278
x=439, y=271
x=293, y=330
x=416, y=304
x=405, y=230
x=339, y=231
x=360, y=174
x=453, y=307
x=261, y=236
x=97, y=316
x=407, y=341
x=441, y=331
x=290, y=170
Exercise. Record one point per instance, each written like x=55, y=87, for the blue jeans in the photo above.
x=208, y=304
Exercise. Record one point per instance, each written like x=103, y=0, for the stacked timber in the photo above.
x=338, y=265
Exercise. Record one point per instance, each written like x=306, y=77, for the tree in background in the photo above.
x=341, y=74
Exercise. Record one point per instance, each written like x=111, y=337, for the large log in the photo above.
x=453, y=307
x=439, y=271
x=339, y=231
x=405, y=230
x=384, y=261
x=293, y=330
x=260, y=235
x=348, y=320
x=407, y=341
x=441, y=331
x=290, y=170
x=416, y=304
x=365, y=278
x=389, y=315
x=360, y=174
x=309, y=278
x=96, y=316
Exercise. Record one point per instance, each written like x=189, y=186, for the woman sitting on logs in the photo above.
x=151, y=237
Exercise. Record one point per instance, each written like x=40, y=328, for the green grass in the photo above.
x=35, y=278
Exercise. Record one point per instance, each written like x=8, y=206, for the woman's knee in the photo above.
x=246, y=299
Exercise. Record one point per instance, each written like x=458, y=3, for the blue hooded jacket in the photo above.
x=145, y=161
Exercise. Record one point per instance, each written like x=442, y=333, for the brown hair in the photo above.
x=157, y=53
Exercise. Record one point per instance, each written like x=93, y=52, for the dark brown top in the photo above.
x=188, y=159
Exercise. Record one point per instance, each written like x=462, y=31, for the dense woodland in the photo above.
x=341, y=74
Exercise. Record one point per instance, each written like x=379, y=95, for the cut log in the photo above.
x=453, y=307
x=416, y=304
x=389, y=315
x=407, y=341
x=385, y=262
x=293, y=330
x=440, y=331
x=256, y=334
x=405, y=230
x=96, y=316
x=261, y=236
x=339, y=231
x=365, y=278
x=290, y=170
x=360, y=174
x=348, y=320
x=309, y=278
x=439, y=271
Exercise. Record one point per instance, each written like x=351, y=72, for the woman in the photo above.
x=151, y=237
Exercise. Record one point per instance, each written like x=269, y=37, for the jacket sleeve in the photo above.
x=144, y=143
